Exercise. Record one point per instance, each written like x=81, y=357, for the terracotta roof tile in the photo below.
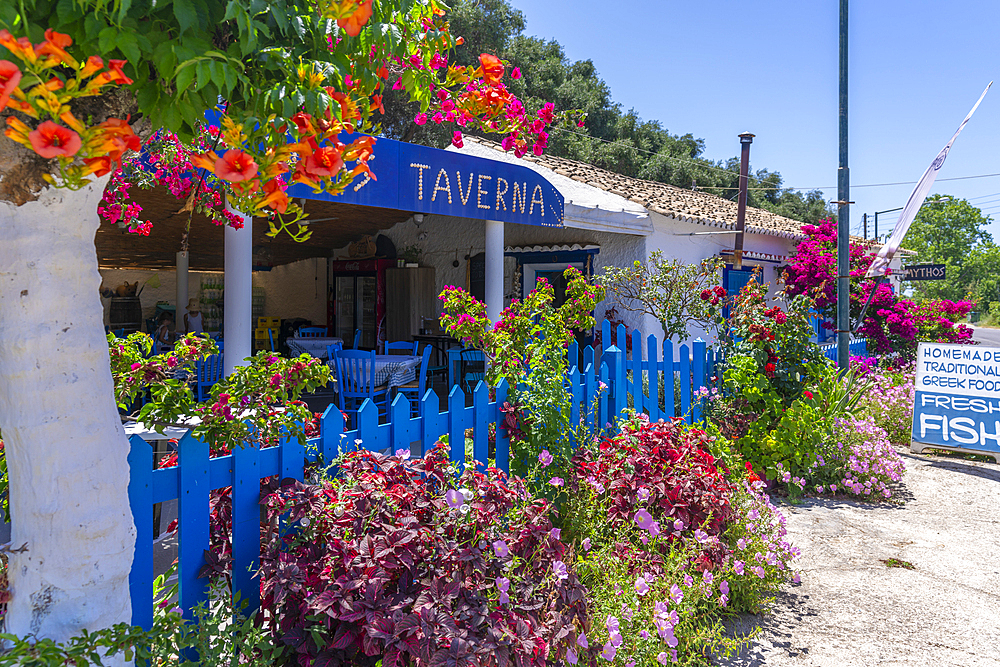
x=687, y=205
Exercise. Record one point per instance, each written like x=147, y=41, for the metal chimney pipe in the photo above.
x=741, y=212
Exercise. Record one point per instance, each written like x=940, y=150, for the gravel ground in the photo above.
x=851, y=610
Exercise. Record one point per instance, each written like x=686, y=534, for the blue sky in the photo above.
x=721, y=67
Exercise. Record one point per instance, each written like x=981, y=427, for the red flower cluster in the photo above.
x=776, y=314
x=715, y=294
x=672, y=464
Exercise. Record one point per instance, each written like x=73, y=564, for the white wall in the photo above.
x=295, y=290
x=673, y=238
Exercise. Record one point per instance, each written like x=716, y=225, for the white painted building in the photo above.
x=608, y=220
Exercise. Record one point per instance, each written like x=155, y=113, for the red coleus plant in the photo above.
x=390, y=562
x=661, y=468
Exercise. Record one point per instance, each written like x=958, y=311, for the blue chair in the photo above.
x=357, y=338
x=208, y=371
x=333, y=348
x=312, y=332
x=473, y=369
x=405, y=346
x=415, y=390
x=355, y=372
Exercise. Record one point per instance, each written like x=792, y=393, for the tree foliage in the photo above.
x=289, y=79
x=954, y=233
x=675, y=293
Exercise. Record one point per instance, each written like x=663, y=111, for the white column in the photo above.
x=237, y=317
x=494, y=269
x=182, y=290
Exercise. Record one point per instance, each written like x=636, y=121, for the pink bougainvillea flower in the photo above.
x=456, y=139
x=515, y=73
x=420, y=119
x=51, y=140
x=545, y=458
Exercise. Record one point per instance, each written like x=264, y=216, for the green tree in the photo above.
x=954, y=233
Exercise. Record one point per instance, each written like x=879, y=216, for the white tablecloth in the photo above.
x=394, y=369
x=314, y=347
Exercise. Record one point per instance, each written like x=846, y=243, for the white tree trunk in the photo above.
x=66, y=449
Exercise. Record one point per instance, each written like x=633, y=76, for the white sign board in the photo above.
x=957, y=401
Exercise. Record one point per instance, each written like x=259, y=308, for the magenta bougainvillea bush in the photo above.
x=892, y=324
x=402, y=562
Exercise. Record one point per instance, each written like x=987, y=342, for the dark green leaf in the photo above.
x=185, y=75
x=204, y=74
x=186, y=14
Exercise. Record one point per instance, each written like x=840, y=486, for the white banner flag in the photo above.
x=916, y=200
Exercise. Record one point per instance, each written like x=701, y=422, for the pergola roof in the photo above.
x=116, y=248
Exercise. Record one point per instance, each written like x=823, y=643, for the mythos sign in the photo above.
x=428, y=180
x=957, y=400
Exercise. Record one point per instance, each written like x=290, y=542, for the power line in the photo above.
x=733, y=173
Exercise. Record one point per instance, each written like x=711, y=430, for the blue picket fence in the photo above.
x=858, y=348
x=614, y=379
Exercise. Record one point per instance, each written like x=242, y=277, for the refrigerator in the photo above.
x=357, y=301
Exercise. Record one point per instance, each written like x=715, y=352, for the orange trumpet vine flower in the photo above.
x=492, y=68
x=54, y=47
x=275, y=196
x=325, y=161
x=352, y=24
x=53, y=140
x=10, y=76
x=235, y=166
x=20, y=47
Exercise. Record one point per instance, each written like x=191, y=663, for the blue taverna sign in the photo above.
x=416, y=178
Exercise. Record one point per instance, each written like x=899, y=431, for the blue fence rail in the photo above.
x=858, y=348
x=626, y=378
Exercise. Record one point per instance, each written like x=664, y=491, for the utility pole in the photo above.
x=865, y=218
x=741, y=208
x=843, y=213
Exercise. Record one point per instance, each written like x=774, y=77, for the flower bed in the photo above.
x=670, y=540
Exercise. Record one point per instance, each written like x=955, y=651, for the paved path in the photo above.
x=987, y=336
x=852, y=611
